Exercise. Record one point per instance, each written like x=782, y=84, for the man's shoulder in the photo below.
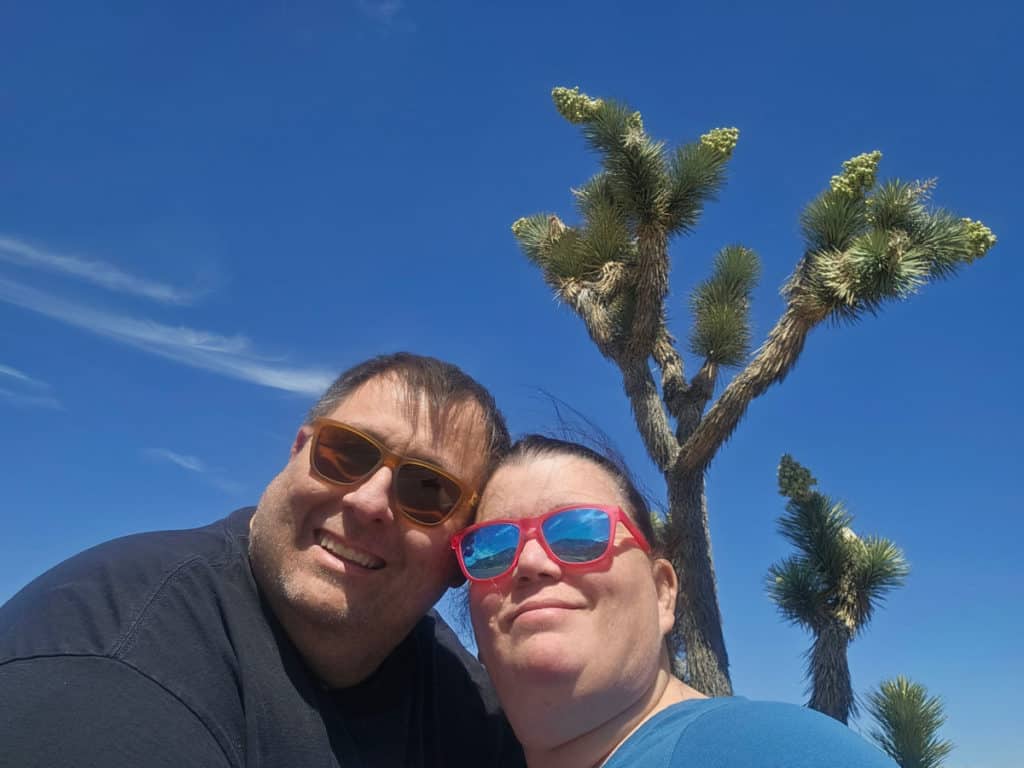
x=89, y=603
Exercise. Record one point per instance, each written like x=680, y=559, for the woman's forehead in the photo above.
x=532, y=485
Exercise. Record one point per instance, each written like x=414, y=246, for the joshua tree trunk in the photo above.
x=831, y=690
x=699, y=622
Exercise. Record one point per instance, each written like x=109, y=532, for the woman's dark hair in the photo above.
x=535, y=446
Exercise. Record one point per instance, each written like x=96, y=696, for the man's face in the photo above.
x=344, y=557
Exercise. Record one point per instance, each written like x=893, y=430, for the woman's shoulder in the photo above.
x=735, y=732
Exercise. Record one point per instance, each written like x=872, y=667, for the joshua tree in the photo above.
x=832, y=586
x=907, y=720
x=865, y=244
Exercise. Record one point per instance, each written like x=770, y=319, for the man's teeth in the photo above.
x=335, y=547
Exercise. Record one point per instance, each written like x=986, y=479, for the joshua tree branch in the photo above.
x=694, y=400
x=583, y=299
x=773, y=361
x=673, y=381
x=614, y=275
x=651, y=288
x=651, y=419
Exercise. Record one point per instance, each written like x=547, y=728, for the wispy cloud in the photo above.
x=190, y=463
x=98, y=273
x=34, y=401
x=231, y=356
x=37, y=397
x=380, y=10
x=198, y=466
x=22, y=377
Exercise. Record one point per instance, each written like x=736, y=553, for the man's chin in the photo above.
x=324, y=604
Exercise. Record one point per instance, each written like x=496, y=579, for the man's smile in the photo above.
x=347, y=553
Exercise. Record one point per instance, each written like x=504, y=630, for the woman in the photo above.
x=571, y=607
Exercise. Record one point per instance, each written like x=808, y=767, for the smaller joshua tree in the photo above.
x=832, y=586
x=907, y=721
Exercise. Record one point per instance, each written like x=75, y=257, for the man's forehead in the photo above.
x=392, y=410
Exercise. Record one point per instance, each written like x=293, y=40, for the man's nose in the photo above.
x=371, y=497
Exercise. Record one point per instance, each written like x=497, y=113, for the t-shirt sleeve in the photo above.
x=86, y=711
x=758, y=734
x=737, y=733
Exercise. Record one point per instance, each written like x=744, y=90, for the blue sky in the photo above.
x=205, y=213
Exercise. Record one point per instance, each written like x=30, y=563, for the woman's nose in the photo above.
x=534, y=562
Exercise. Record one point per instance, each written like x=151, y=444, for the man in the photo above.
x=294, y=635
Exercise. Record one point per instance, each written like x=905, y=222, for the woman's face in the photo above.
x=600, y=630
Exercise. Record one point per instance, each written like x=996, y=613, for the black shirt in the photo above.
x=157, y=650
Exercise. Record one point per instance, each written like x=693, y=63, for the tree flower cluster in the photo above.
x=858, y=174
x=574, y=106
x=722, y=140
x=980, y=237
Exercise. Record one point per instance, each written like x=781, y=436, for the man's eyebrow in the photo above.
x=428, y=457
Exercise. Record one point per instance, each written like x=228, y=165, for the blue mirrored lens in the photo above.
x=488, y=552
x=578, y=535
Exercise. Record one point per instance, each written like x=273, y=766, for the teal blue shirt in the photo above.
x=737, y=733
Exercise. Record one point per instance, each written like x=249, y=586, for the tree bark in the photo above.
x=651, y=289
x=831, y=689
x=649, y=413
x=698, y=619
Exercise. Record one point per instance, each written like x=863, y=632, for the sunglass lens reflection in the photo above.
x=425, y=495
x=344, y=456
x=488, y=552
x=578, y=535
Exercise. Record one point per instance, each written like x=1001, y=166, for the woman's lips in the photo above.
x=543, y=607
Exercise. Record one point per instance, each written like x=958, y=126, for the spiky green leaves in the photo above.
x=568, y=253
x=880, y=569
x=907, y=722
x=835, y=576
x=832, y=221
x=633, y=163
x=795, y=587
x=815, y=525
x=649, y=187
x=577, y=253
x=534, y=235
x=696, y=172
x=868, y=244
x=721, y=308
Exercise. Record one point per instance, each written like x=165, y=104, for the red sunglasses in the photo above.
x=578, y=537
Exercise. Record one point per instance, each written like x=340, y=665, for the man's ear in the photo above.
x=667, y=586
x=301, y=437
